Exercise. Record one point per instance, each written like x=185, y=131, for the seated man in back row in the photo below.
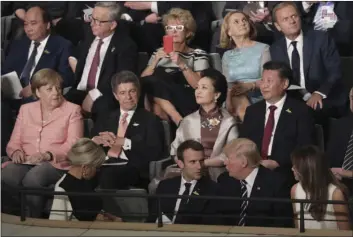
x=129, y=135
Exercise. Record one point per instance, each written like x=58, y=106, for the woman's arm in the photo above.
x=153, y=62
x=341, y=211
x=292, y=196
x=15, y=140
x=74, y=132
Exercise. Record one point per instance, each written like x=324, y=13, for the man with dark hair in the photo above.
x=190, y=158
x=278, y=124
x=129, y=135
x=107, y=51
x=314, y=60
x=38, y=50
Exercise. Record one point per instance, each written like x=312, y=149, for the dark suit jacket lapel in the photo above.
x=48, y=52
x=307, y=52
x=283, y=46
x=108, y=58
x=257, y=191
x=23, y=60
x=196, y=205
x=283, y=121
x=261, y=123
x=169, y=203
x=135, y=124
x=113, y=123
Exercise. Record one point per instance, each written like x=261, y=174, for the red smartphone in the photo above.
x=168, y=43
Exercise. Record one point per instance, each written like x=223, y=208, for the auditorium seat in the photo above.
x=215, y=61
x=347, y=71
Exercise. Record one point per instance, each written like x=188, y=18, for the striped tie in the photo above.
x=348, y=158
x=244, y=205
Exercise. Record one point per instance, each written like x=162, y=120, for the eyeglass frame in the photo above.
x=174, y=27
x=98, y=22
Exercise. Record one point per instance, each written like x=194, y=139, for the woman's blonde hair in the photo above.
x=86, y=152
x=185, y=17
x=226, y=42
x=45, y=77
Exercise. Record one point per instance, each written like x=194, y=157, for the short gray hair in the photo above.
x=86, y=152
x=114, y=9
x=125, y=77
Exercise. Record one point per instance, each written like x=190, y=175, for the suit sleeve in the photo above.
x=331, y=61
x=151, y=147
x=64, y=68
x=15, y=140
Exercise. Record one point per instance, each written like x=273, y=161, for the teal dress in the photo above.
x=245, y=65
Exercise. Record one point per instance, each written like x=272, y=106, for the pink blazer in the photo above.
x=31, y=135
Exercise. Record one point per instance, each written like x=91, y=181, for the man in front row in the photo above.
x=129, y=135
x=278, y=124
x=247, y=178
x=192, y=182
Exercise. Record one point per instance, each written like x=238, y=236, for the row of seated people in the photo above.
x=331, y=17
x=46, y=129
x=312, y=55
x=245, y=177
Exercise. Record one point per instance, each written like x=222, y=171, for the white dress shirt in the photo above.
x=82, y=86
x=250, y=180
x=154, y=9
x=324, y=16
x=300, y=44
x=127, y=142
x=181, y=191
x=278, y=111
x=40, y=51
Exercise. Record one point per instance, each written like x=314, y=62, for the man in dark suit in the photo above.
x=246, y=178
x=108, y=51
x=278, y=124
x=192, y=182
x=314, y=60
x=340, y=148
x=333, y=17
x=38, y=50
x=129, y=135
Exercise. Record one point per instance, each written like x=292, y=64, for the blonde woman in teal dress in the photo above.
x=242, y=64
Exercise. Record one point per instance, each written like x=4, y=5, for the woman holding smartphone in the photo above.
x=171, y=76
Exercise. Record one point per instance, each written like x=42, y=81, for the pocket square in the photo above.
x=135, y=124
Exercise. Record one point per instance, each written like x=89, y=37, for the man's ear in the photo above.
x=114, y=25
x=116, y=96
x=278, y=27
x=180, y=164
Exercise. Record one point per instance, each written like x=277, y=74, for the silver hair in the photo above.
x=86, y=152
x=114, y=9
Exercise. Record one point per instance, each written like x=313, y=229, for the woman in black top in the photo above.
x=85, y=157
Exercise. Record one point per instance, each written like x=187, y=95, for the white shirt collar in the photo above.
x=183, y=181
x=299, y=39
x=130, y=112
x=250, y=180
x=279, y=103
x=106, y=39
x=43, y=43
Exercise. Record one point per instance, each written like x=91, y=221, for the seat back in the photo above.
x=215, y=61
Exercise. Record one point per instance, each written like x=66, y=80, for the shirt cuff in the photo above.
x=306, y=96
x=323, y=95
x=154, y=7
x=306, y=6
x=95, y=94
x=127, y=144
x=126, y=17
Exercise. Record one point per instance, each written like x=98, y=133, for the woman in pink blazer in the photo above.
x=44, y=132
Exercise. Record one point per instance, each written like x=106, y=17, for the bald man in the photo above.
x=247, y=178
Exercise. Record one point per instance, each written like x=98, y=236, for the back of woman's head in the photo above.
x=315, y=176
x=86, y=152
x=219, y=83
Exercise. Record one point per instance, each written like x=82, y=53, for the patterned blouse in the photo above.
x=210, y=124
x=197, y=60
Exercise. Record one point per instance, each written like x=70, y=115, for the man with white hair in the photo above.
x=246, y=178
x=108, y=51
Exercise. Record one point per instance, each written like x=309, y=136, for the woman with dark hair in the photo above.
x=317, y=183
x=211, y=125
x=242, y=63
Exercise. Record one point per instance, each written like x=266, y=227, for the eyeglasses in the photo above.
x=172, y=28
x=96, y=21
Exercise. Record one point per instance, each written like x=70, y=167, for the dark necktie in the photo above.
x=91, y=81
x=183, y=203
x=268, y=132
x=244, y=204
x=348, y=158
x=295, y=64
x=26, y=73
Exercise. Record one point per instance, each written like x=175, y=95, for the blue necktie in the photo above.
x=25, y=76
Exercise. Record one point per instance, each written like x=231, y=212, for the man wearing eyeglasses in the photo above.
x=340, y=147
x=107, y=51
